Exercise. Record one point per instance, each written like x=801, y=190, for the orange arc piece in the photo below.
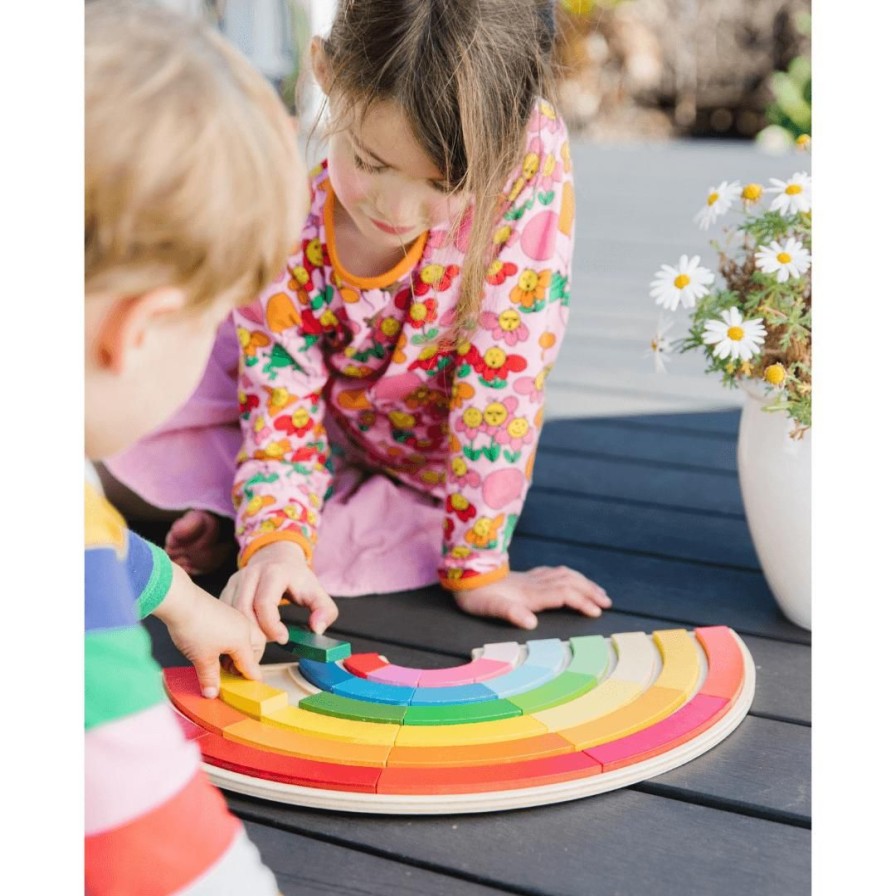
x=519, y=750
x=480, y=778
x=292, y=743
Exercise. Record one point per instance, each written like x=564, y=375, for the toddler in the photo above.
x=191, y=181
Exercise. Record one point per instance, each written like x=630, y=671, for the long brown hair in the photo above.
x=466, y=74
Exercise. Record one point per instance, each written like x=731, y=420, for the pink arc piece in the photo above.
x=390, y=674
x=469, y=673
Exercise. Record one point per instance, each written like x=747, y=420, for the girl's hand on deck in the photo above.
x=519, y=596
x=276, y=571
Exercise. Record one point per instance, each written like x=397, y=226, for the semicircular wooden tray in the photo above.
x=519, y=725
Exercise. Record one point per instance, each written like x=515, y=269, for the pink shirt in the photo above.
x=459, y=423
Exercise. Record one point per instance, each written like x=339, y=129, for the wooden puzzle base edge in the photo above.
x=498, y=800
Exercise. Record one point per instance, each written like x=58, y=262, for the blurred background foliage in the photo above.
x=626, y=69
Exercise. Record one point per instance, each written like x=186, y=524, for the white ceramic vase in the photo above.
x=775, y=482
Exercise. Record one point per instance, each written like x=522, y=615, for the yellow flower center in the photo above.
x=681, y=281
x=712, y=199
x=784, y=257
x=793, y=189
x=803, y=141
x=418, y=311
x=735, y=334
x=751, y=192
x=775, y=374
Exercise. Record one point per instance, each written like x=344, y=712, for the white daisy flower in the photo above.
x=685, y=283
x=790, y=260
x=660, y=345
x=794, y=195
x=718, y=201
x=733, y=336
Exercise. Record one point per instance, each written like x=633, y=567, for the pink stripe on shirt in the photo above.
x=151, y=741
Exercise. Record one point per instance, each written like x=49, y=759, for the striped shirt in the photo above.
x=154, y=824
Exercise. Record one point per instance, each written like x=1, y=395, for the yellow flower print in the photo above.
x=531, y=287
x=509, y=320
x=495, y=414
x=314, y=252
x=484, y=533
x=401, y=420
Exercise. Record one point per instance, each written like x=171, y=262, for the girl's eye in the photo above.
x=441, y=185
x=366, y=166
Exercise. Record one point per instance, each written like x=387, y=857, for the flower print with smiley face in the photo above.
x=507, y=326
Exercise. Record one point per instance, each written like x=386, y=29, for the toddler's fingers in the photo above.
x=208, y=671
x=245, y=661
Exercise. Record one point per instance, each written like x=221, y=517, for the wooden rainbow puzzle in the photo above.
x=519, y=725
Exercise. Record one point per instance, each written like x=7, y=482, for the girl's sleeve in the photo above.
x=497, y=400
x=282, y=470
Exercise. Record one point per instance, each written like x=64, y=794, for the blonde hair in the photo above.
x=192, y=169
x=466, y=74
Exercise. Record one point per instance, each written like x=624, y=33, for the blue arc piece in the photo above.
x=323, y=675
x=521, y=679
x=549, y=653
x=462, y=693
x=374, y=691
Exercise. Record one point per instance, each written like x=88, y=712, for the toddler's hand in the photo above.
x=274, y=571
x=202, y=628
x=519, y=596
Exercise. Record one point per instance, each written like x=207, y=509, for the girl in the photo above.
x=391, y=381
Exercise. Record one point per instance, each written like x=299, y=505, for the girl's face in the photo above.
x=384, y=180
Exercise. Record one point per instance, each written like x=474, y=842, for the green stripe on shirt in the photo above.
x=120, y=675
x=159, y=582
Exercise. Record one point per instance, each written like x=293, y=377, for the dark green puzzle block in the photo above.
x=306, y=644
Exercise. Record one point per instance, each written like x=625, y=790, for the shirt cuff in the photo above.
x=159, y=583
x=456, y=579
x=267, y=538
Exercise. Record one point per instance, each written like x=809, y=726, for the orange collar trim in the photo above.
x=411, y=257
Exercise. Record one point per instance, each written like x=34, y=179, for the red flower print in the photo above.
x=460, y=506
x=499, y=271
x=295, y=424
x=422, y=313
x=495, y=364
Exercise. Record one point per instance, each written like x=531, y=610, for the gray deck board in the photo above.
x=623, y=842
x=306, y=866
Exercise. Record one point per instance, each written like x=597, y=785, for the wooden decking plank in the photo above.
x=762, y=767
x=306, y=866
x=648, y=482
x=691, y=593
x=611, y=436
x=606, y=523
x=622, y=842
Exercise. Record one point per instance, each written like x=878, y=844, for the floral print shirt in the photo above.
x=460, y=423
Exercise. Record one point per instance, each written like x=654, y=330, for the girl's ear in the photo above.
x=320, y=65
x=130, y=319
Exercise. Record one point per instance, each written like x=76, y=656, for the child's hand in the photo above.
x=274, y=571
x=203, y=628
x=519, y=596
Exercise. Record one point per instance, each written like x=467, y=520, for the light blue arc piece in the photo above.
x=549, y=653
